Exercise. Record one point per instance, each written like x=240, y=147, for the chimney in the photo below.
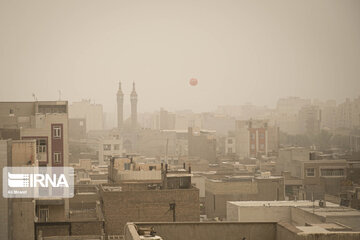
x=184, y=166
x=189, y=169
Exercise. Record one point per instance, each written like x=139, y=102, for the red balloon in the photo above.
x=193, y=82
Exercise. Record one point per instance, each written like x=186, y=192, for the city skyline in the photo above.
x=240, y=52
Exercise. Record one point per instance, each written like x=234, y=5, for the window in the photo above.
x=310, y=172
x=107, y=147
x=127, y=166
x=253, y=136
x=40, y=146
x=230, y=141
x=262, y=146
x=116, y=146
x=57, y=157
x=43, y=214
x=334, y=172
x=262, y=135
x=57, y=132
x=230, y=150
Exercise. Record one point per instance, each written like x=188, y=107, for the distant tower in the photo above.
x=133, y=100
x=120, y=107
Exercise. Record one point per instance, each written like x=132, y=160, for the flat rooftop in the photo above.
x=280, y=204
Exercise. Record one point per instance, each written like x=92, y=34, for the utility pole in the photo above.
x=172, y=208
x=166, y=150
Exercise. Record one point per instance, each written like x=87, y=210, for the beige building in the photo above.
x=42, y=141
x=44, y=121
x=309, y=119
x=299, y=214
x=218, y=192
x=17, y=215
x=173, y=198
x=255, y=137
x=91, y=112
x=110, y=147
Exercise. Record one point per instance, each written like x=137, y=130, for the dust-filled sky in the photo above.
x=240, y=51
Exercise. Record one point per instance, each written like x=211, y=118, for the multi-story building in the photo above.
x=93, y=113
x=307, y=216
x=286, y=115
x=322, y=177
x=17, y=215
x=44, y=121
x=202, y=144
x=173, y=198
x=110, y=147
x=42, y=141
x=309, y=119
x=77, y=128
x=230, y=144
x=243, y=188
x=319, y=177
x=255, y=137
x=348, y=114
x=166, y=120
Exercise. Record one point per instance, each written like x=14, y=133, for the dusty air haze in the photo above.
x=240, y=51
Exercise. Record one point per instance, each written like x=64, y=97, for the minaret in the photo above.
x=120, y=107
x=133, y=100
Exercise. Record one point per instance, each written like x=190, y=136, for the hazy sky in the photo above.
x=240, y=51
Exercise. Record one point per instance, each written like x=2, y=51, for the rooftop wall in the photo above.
x=208, y=231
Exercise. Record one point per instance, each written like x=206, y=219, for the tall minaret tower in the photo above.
x=120, y=107
x=133, y=100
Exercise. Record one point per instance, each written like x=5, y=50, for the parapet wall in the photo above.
x=207, y=231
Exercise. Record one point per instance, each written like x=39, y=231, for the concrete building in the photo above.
x=77, y=128
x=43, y=134
x=290, y=159
x=93, y=113
x=46, y=122
x=5, y=204
x=297, y=213
x=245, y=188
x=221, y=123
x=126, y=169
x=166, y=120
x=309, y=119
x=348, y=114
x=109, y=147
x=322, y=177
x=256, y=137
x=17, y=215
x=286, y=115
x=202, y=144
x=230, y=145
x=319, y=177
x=237, y=230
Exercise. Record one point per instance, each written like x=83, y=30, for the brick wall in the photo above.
x=148, y=205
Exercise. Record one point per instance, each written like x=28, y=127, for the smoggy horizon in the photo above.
x=240, y=52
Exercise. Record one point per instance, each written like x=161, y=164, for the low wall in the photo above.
x=208, y=231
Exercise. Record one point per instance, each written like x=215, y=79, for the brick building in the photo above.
x=172, y=199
